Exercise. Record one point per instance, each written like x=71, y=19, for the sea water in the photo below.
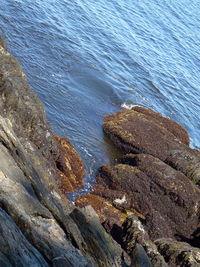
x=87, y=58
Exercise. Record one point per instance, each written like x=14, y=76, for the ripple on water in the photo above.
x=86, y=59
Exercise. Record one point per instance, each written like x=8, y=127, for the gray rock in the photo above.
x=39, y=225
x=15, y=249
x=139, y=257
x=178, y=253
x=134, y=233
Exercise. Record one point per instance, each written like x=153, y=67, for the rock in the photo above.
x=26, y=115
x=134, y=234
x=39, y=226
x=180, y=197
x=195, y=241
x=119, y=199
x=178, y=131
x=178, y=253
x=103, y=208
x=144, y=132
x=110, y=217
x=139, y=257
x=25, y=196
x=160, y=182
x=15, y=249
x=105, y=252
x=167, y=199
x=70, y=166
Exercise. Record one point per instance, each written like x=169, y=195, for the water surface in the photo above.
x=86, y=59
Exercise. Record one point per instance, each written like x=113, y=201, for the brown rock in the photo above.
x=170, y=125
x=70, y=166
x=103, y=208
x=136, y=132
x=114, y=196
x=167, y=199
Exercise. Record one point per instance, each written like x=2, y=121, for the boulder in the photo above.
x=178, y=131
x=167, y=200
x=139, y=131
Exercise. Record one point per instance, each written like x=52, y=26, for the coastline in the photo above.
x=38, y=169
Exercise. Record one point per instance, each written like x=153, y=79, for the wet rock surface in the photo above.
x=38, y=225
x=155, y=186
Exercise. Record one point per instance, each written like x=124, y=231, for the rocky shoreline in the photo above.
x=143, y=211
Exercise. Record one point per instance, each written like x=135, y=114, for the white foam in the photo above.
x=86, y=151
x=128, y=106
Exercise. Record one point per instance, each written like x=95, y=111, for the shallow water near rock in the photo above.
x=86, y=59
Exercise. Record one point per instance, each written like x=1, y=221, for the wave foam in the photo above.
x=128, y=106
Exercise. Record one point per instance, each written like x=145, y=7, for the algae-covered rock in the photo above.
x=103, y=208
x=167, y=199
x=139, y=131
x=70, y=166
x=178, y=131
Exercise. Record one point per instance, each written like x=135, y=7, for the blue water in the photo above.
x=87, y=58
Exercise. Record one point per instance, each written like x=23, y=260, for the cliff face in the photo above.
x=38, y=225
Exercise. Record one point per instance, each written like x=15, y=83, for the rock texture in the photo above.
x=38, y=225
x=135, y=234
x=70, y=166
x=135, y=132
x=155, y=187
x=148, y=203
x=179, y=253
